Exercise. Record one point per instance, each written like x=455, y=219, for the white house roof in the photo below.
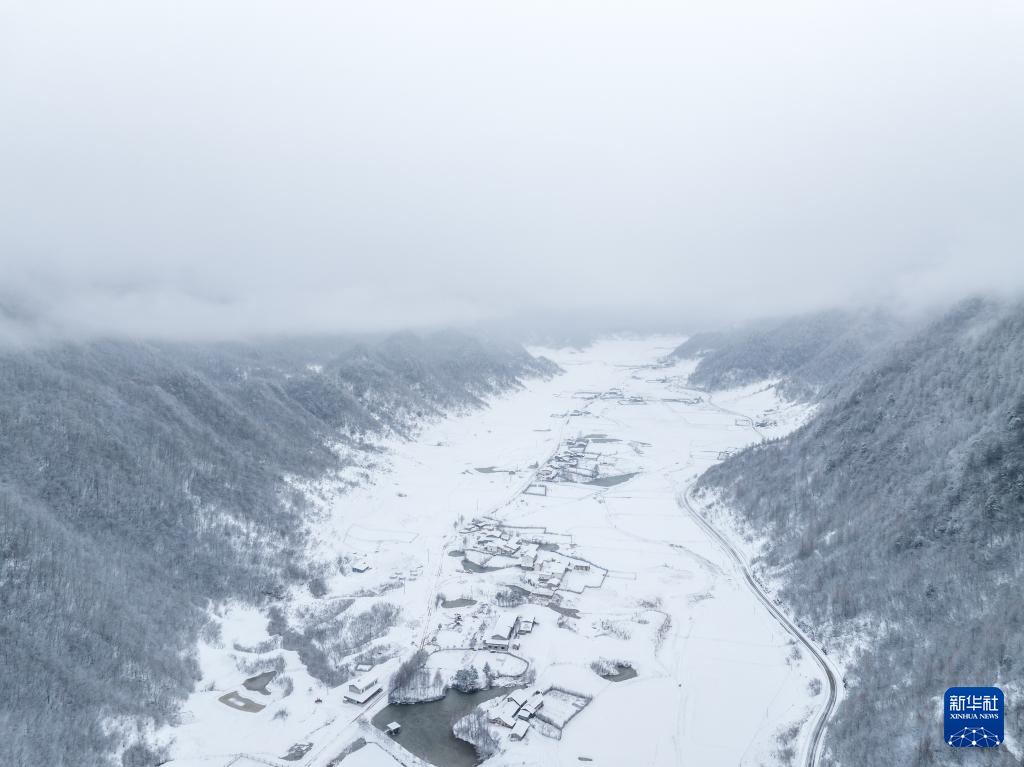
x=504, y=625
x=506, y=715
x=359, y=684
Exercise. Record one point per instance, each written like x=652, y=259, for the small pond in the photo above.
x=427, y=727
x=473, y=567
x=621, y=674
x=570, y=612
x=259, y=682
x=617, y=479
x=461, y=602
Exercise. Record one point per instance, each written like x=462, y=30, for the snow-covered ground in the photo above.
x=717, y=679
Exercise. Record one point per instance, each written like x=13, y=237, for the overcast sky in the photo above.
x=226, y=167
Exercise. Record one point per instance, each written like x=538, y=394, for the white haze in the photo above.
x=220, y=169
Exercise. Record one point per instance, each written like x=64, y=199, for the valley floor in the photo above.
x=633, y=577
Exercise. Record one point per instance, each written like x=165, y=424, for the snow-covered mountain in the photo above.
x=140, y=483
x=808, y=354
x=895, y=521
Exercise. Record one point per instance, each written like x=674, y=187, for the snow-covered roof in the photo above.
x=504, y=626
x=360, y=684
x=506, y=715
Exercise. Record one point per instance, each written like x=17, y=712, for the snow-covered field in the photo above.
x=635, y=580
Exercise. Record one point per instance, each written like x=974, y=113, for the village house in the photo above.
x=534, y=701
x=517, y=709
x=505, y=714
x=362, y=689
x=504, y=629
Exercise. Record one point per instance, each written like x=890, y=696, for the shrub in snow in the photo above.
x=473, y=729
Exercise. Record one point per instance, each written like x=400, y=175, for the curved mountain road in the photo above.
x=814, y=750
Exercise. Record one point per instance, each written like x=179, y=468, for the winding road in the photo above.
x=832, y=674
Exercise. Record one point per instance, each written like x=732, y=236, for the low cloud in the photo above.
x=188, y=170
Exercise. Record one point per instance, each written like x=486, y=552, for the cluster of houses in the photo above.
x=516, y=711
x=548, y=573
x=487, y=537
x=571, y=463
x=633, y=399
x=543, y=571
x=492, y=539
x=613, y=393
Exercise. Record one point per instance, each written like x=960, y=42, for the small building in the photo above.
x=361, y=566
x=502, y=632
x=364, y=668
x=553, y=566
x=519, y=730
x=518, y=697
x=505, y=715
x=392, y=728
x=528, y=709
x=362, y=689
x=584, y=566
x=528, y=562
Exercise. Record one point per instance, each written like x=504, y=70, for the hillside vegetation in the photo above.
x=809, y=353
x=897, y=515
x=138, y=482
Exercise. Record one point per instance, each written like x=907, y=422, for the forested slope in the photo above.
x=897, y=514
x=809, y=353
x=139, y=481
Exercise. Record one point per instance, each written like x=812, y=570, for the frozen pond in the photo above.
x=259, y=682
x=621, y=674
x=618, y=479
x=461, y=602
x=427, y=727
x=569, y=612
x=473, y=567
